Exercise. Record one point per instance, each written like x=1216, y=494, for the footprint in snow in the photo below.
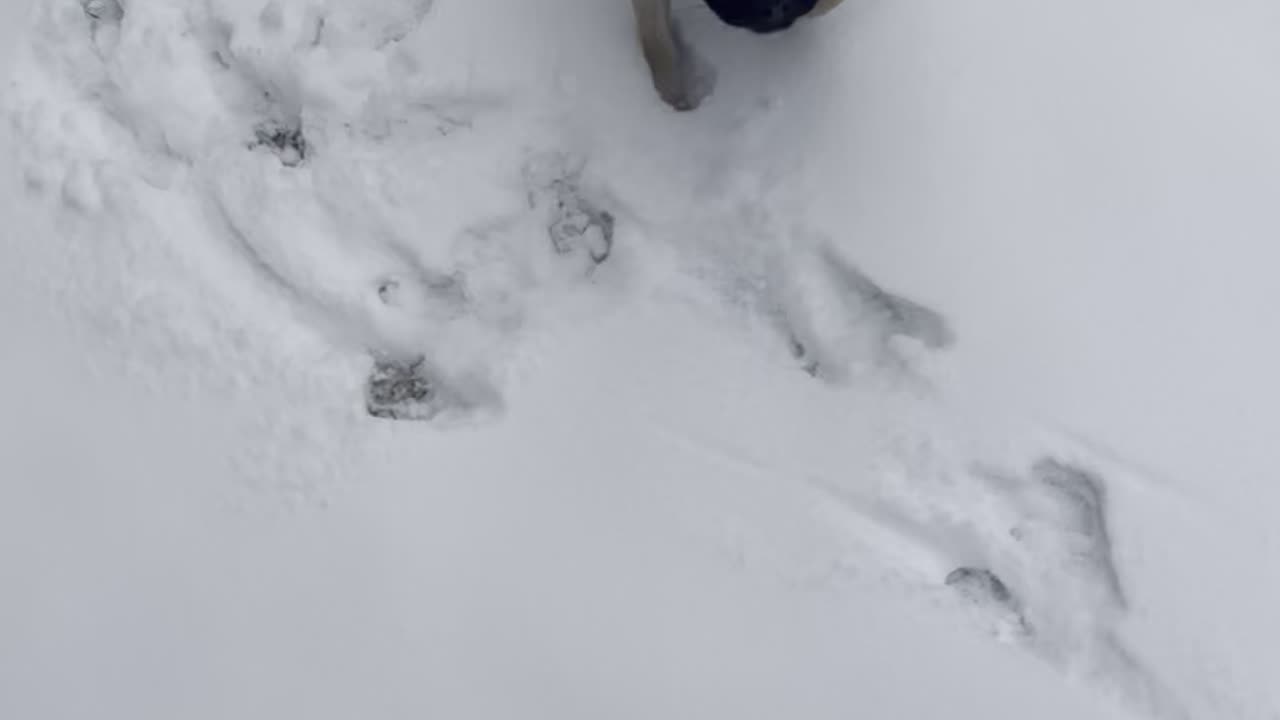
x=836, y=317
x=401, y=390
x=1069, y=515
x=284, y=139
x=987, y=591
x=576, y=224
x=106, y=11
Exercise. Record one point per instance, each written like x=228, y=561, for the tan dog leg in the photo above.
x=663, y=53
x=823, y=7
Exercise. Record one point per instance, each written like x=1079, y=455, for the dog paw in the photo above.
x=688, y=84
x=675, y=92
x=682, y=78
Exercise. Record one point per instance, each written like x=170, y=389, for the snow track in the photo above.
x=413, y=210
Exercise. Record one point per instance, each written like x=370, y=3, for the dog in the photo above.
x=668, y=59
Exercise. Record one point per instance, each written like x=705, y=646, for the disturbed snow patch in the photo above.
x=345, y=183
x=297, y=171
x=836, y=315
x=353, y=186
x=1025, y=550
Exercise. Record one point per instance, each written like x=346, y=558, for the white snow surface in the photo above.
x=721, y=399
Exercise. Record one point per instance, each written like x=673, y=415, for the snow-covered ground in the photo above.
x=924, y=371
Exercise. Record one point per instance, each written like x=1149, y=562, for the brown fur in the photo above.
x=666, y=56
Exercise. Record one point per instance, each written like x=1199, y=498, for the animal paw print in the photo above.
x=987, y=591
x=108, y=11
x=400, y=390
x=575, y=223
x=286, y=141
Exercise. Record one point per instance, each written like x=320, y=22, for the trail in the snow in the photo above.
x=376, y=205
x=1028, y=547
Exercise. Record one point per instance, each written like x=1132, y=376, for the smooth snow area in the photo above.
x=925, y=371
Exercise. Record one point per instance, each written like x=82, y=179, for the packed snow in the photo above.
x=410, y=358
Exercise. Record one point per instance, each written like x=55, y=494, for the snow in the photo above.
x=921, y=372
